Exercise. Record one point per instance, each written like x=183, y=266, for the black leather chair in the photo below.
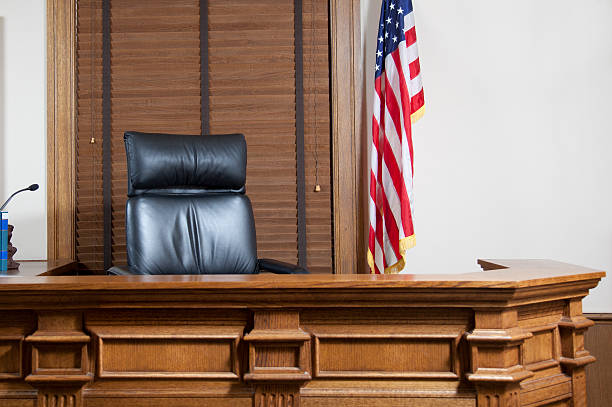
x=186, y=211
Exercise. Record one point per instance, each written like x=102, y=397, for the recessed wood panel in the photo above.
x=168, y=357
x=386, y=356
x=539, y=348
x=58, y=356
x=276, y=356
x=493, y=357
x=10, y=358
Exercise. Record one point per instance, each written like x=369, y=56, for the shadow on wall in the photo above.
x=2, y=123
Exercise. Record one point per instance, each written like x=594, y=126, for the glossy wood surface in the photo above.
x=513, y=336
x=34, y=268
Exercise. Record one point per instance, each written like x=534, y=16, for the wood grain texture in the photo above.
x=33, y=268
x=61, y=128
x=507, y=337
x=599, y=375
x=344, y=51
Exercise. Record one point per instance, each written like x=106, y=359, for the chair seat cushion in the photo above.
x=208, y=234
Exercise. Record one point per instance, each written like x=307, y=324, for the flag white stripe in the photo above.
x=409, y=21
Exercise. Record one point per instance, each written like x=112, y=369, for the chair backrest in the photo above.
x=186, y=211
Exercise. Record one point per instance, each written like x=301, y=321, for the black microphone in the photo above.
x=32, y=187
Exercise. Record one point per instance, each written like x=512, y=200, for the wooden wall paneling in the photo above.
x=61, y=98
x=599, y=375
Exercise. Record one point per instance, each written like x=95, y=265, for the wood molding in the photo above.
x=61, y=128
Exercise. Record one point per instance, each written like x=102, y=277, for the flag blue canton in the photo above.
x=390, y=30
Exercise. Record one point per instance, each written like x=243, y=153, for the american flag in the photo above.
x=398, y=102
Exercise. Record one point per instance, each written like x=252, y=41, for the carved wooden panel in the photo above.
x=279, y=351
x=376, y=356
x=153, y=356
x=277, y=395
x=277, y=355
x=53, y=397
x=395, y=343
x=54, y=358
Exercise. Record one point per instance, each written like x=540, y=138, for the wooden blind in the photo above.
x=155, y=71
x=317, y=136
x=89, y=210
x=155, y=87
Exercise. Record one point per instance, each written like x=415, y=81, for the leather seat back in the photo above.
x=186, y=211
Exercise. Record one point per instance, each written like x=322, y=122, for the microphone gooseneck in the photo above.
x=32, y=187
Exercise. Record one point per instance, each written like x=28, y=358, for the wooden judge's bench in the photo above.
x=510, y=336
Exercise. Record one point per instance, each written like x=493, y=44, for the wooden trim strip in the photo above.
x=106, y=133
x=599, y=316
x=299, y=132
x=61, y=128
x=204, y=94
x=347, y=145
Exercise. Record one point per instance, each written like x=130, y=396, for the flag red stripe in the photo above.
x=406, y=110
x=417, y=101
x=372, y=186
x=391, y=227
x=410, y=36
x=415, y=68
x=393, y=108
x=379, y=233
x=371, y=241
x=393, y=167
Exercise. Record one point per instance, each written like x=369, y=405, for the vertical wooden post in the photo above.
x=345, y=72
x=279, y=358
x=497, y=366
x=61, y=128
x=574, y=357
x=60, y=365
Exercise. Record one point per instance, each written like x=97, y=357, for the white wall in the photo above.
x=513, y=158
x=23, y=122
